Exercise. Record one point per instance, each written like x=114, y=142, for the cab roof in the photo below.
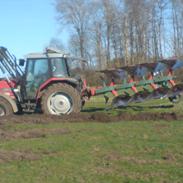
x=49, y=52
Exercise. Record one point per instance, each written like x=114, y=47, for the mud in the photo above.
x=90, y=117
x=150, y=117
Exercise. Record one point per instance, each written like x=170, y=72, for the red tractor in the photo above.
x=50, y=83
x=46, y=84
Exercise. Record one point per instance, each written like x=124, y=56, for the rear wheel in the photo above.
x=5, y=107
x=61, y=99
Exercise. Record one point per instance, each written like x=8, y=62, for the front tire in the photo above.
x=61, y=99
x=5, y=107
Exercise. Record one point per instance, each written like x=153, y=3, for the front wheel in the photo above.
x=61, y=99
x=5, y=107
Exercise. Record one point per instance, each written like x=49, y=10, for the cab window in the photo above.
x=59, y=67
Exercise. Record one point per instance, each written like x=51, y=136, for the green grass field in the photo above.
x=128, y=151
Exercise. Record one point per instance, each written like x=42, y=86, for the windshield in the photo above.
x=59, y=67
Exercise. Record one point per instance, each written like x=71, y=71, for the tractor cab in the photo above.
x=41, y=67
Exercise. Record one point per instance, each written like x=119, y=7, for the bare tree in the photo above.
x=76, y=14
x=125, y=32
x=177, y=16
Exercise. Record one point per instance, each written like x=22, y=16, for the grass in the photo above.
x=129, y=152
x=161, y=105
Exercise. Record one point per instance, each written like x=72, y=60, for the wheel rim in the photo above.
x=2, y=111
x=59, y=103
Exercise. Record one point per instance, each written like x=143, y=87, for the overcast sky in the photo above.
x=27, y=25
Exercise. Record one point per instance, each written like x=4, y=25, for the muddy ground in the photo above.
x=7, y=135
x=94, y=117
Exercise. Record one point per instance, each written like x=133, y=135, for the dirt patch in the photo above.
x=44, y=119
x=35, y=133
x=101, y=117
x=115, y=156
x=104, y=170
x=8, y=156
x=149, y=116
x=168, y=157
x=91, y=117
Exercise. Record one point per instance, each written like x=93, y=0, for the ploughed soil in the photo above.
x=91, y=117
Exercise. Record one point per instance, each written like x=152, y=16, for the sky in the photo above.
x=28, y=25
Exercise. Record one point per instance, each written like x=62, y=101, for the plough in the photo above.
x=141, y=82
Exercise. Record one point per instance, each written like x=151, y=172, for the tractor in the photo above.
x=52, y=84
x=45, y=84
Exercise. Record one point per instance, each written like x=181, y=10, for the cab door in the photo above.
x=37, y=72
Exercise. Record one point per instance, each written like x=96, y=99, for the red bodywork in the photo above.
x=6, y=88
x=51, y=81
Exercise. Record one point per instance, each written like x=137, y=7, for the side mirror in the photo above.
x=21, y=62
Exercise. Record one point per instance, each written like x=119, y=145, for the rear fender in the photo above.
x=51, y=81
x=11, y=101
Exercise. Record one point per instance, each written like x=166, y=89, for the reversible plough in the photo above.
x=141, y=82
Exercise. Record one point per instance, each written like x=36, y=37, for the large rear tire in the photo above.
x=61, y=99
x=5, y=107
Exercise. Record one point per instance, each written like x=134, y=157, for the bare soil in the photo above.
x=8, y=156
x=92, y=117
x=34, y=133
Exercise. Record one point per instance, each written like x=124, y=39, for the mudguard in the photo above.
x=70, y=81
x=11, y=101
